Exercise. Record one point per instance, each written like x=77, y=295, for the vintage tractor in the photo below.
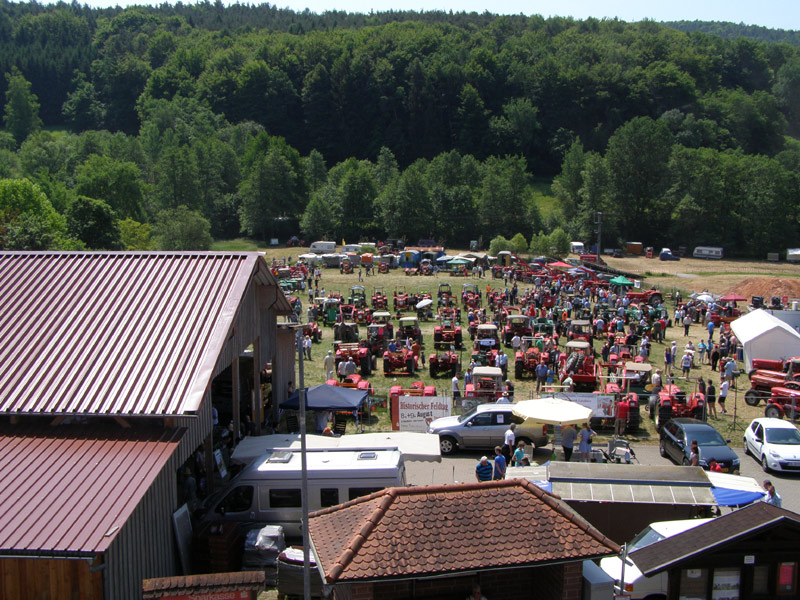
x=347, y=313
x=516, y=325
x=486, y=337
x=401, y=361
x=384, y=319
x=444, y=296
x=542, y=326
x=360, y=355
x=409, y=328
x=443, y=363
x=346, y=266
x=580, y=329
x=653, y=297
x=355, y=382
x=487, y=384
x=331, y=311
x=470, y=296
x=673, y=403
x=362, y=316
x=346, y=331
x=631, y=379
x=401, y=300
x=580, y=366
x=358, y=296
x=448, y=332
x=767, y=374
x=313, y=331
x=784, y=402
x=377, y=339
x=525, y=362
x=379, y=300
x=418, y=388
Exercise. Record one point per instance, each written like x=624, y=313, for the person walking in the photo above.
x=686, y=364
x=508, y=441
x=519, y=455
x=585, y=446
x=456, y=391
x=711, y=398
x=715, y=356
x=668, y=358
x=723, y=395
x=568, y=434
x=541, y=375
x=687, y=320
x=499, y=470
x=484, y=470
x=329, y=365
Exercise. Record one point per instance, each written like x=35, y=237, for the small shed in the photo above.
x=763, y=335
x=409, y=258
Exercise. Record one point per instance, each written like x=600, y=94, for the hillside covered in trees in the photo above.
x=169, y=126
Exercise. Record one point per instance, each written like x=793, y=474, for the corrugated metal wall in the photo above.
x=145, y=547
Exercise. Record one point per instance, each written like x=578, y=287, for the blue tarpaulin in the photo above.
x=328, y=397
x=733, y=497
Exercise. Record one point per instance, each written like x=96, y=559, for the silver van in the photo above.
x=268, y=489
x=321, y=247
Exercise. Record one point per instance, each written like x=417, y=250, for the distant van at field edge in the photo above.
x=576, y=248
x=268, y=489
x=322, y=247
x=711, y=252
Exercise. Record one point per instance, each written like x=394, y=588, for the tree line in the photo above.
x=204, y=121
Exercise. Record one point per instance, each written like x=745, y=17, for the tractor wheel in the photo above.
x=656, y=299
x=662, y=417
x=419, y=339
x=447, y=445
x=410, y=365
x=751, y=373
x=507, y=340
x=752, y=397
x=365, y=366
x=518, y=370
x=437, y=337
x=698, y=413
x=432, y=370
x=773, y=412
x=374, y=361
x=458, y=341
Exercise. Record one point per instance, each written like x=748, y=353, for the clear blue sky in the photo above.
x=778, y=14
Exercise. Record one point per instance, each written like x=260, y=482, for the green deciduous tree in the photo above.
x=182, y=229
x=117, y=183
x=28, y=220
x=94, y=223
x=135, y=235
x=22, y=107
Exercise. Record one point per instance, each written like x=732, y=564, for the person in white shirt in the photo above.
x=723, y=395
x=456, y=391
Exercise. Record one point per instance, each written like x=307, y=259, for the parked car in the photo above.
x=676, y=441
x=666, y=254
x=637, y=586
x=773, y=442
x=484, y=427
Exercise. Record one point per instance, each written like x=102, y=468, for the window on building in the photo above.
x=726, y=584
x=328, y=497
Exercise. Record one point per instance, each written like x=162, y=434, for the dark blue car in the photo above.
x=676, y=443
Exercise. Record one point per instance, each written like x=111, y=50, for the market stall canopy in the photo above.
x=458, y=260
x=620, y=280
x=552, y=411
x=733, y=298
x=702, y=297
x=424, y=303
x=328, y=397
x=560, y=265
x=414, y=446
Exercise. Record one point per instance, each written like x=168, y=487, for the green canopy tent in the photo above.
x=458, y=261
x=620, y=280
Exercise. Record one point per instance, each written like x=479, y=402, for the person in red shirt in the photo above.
x=623, y=410
x=713, y=465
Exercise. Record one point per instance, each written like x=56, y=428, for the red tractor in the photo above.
x=448, y=332
x=347, y=312
x=409, y=328
x=784, y=402
x=443, y=362
x=313, y=331
x=402, y=361
x=653, y=297
x=384, y=319
x=487, y=384
x=361, y=356
x=580, y=329
x=379, y=300
x=516, y=325
x=525, y=362
x=401, y=299
x=355, y=382
x=346, y=266
x=673, y=403
x=444, y=296
x=579, y=365
x=768, y=374
x=470, y=296
x=418, y=388
x=486, y=337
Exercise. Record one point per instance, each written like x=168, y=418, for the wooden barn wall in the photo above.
x=49, y=579
x=283, y=368
x=145, y=547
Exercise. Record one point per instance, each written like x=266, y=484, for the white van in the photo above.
x=708, y=252
x=351, y=248
x=268, y=489
x=576, y=247
x=322, y=247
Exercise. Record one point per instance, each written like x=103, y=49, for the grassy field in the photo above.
x=725, y=273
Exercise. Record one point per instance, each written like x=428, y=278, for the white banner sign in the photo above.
x=602, y=405
x=417, y=412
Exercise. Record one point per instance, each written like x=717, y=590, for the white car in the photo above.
x=637, y=586
x=775, y=443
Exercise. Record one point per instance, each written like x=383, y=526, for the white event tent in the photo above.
x=765, y=336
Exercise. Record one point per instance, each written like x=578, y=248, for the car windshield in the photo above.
x=705, y=437
x=467, y=415
x=789, y=437
x=645, y=538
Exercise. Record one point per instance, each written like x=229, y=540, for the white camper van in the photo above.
x=268, y=489
x=576, y=248
x=708, y=252
x=322, y=247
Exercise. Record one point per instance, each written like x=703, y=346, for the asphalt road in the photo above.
x=460, y=467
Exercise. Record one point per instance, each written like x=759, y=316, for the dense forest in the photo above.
x=169, y=126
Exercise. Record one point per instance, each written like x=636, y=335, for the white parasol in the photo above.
x=424, y=303
x=552, y=411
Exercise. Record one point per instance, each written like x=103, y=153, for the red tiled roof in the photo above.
x=70, y=489
x=117, y=333
x=429, y=530
x=739, y=524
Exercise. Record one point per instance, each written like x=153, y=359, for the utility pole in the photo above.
x=598, y=218
x=301, y=390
